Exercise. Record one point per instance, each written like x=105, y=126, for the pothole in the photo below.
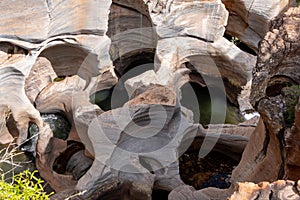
x=117, y=96
x=198, y=99
x=102, y=98
x=159, y=194
x=57, y=123
x=214, y=170
x=66, y=59
x=73, y=161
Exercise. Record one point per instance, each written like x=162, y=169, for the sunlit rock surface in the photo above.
x=115, y=71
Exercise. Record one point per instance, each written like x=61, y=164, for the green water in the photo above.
x=58, y=124
x=25, y=158
x=198, y=100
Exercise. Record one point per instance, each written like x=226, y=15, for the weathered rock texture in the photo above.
x=277, y=68
x=250, y=20
x=264, y=190
x=242, y=191
x=56, y=55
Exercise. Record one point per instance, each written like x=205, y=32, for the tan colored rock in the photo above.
x=69, y=94
x=29, y=22
x=243, y=129
x=212, y=60
x=5, y=136
x=277, y=73
x=44, y=19
x=276, y=51
x=277, y=190
x=250, y=20
x=16, y=100
x=39, y=77
x=72, y=39
x=189, y=193
x=51, y=39
x=10, y=53
x=262, y=151
x=132, y=34
x=204, y=20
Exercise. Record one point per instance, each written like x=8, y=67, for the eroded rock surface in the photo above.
x=67, y=56
x=250, y=20
x=264, y=190
x=277, y=70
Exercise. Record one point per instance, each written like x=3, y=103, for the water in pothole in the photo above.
x=57, y=123
x=117, y=96
x=14, y=161
x=214, y=170
x=20, y=159
x=198, y=99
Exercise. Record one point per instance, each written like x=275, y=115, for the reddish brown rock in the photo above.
x=262, y=151
x=292, y=138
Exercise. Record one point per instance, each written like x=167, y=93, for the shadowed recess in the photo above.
x=66, y=59
x=117, y=96
x=197, y=99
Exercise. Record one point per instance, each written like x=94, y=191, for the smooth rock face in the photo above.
x=40, y=76
x=29, y=22
x=273, y=143
x=44, y=19
x=56, y=54
x=213, y=61
x=250, y=20
x=199, y=19
x=263, y=151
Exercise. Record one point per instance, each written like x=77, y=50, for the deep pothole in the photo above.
x=199, y=100
x=73, y=161
x=214, y=170
x=59, y=125
x=159, y=194
x=117, y=96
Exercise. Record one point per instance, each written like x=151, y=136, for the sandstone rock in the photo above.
x=205, y=20
x=275, y=70
x=5, y=136
x=40, y=76
x=187, y=193
x=13, y=80
x=133, y=149
x=244, y=129
x=213, y=61
x=275, y=73
x=50, y=18
x=250, y=20
x=281, y=41
x=263, y=150
x=264, y=190
x=292, y=147
x=113, y=133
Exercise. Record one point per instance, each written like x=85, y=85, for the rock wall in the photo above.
x=132, y=58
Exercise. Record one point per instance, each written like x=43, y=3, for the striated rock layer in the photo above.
x=116, y=70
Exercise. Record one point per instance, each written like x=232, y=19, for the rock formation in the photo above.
x=275, y=95
x=250, y=20
x=116, y=70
